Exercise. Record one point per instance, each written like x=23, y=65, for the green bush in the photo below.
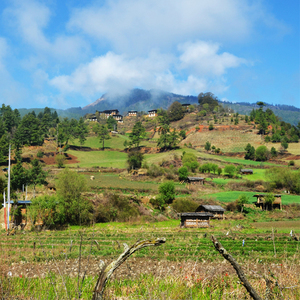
x=155, y=171
x=188, y=157
x=192, y=166
x=134, y=159
x=40, y=154
x=115, y=208
x=230, y=170
x=184, y=205
x=167, y=191
x=183, y=173
x=262, y=153
x=60, y=160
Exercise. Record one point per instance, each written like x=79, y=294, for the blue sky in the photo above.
x=68, y=53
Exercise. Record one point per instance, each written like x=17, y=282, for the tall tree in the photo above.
x=111, y=123
x=175, y=111
x=82, y=131
x=19, y=175
x=250, y=152
x=36, y=174
x=103, y=134
x=137, y=134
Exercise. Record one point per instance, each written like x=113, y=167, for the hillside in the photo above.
x=143, y=100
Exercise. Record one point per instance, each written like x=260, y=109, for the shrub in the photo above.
x=188, y=157
x=183, y=173
x=60, y=160
x=219, y=171
x=115, y=208
x=262, y=153
x=134, y=159
x=192, y=166
x=291, y=163
x=184, y=205
x=155, y=171
x=230, y=170
x=167, y=192
x=210, y=127
x=232, y=206
x=207, y=146
x=242, y=200
x=40, y=154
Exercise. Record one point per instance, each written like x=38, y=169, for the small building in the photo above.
x=195, y=181
x=108, y=112
x=216, y=210
x=118, y=118
x=186, y=106
x=152, y=113
x=132, y=113
x=19, y=218
x=195, y=219
x=260, y=202
x=93, y=118
x=246, y=171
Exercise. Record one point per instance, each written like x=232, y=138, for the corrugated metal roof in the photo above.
x=196, y=214
x=196, y=178
x=212, y=207
x=246, y=170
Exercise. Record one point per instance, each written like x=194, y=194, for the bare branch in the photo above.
x=107, y=272
x=237, y=268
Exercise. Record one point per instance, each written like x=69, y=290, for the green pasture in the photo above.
x=233, y=195
x=117, y=181
x=115, y=142
x=109, y=159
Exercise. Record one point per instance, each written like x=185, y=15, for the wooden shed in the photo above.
x=195, y=219
x=246, y=171
x=260, y=201
x=216, y=210
x=195, y=181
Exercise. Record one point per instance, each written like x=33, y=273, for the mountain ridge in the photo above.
x=144, y=100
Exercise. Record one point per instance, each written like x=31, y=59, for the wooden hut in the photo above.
x=246, y=171
x=195, y=181
x=216, y=210
x=195, y=219
x=260, y=202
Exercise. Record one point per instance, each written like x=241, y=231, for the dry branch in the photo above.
x=237, y=268
x=107, y=271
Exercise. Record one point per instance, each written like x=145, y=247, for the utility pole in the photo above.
x=8, y=191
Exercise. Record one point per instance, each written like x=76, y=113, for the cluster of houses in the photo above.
x=204, y=213
x=131, y=113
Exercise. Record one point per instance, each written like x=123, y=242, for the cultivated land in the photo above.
x=64, y=264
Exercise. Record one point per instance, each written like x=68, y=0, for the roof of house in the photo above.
x=214, y=208
x=20, y=202
x=246, y=170
x=152, y=110
x=196, y=178
x=196, y=214
x=185, y=104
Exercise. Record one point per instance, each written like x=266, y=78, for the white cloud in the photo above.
x=203, y=58
x=142, y=25
x=116, y=73
x=31, y=19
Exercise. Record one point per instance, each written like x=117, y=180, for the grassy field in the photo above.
x=110, y=159
x=233, y=195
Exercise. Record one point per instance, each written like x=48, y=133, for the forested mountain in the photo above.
x=142, y=100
